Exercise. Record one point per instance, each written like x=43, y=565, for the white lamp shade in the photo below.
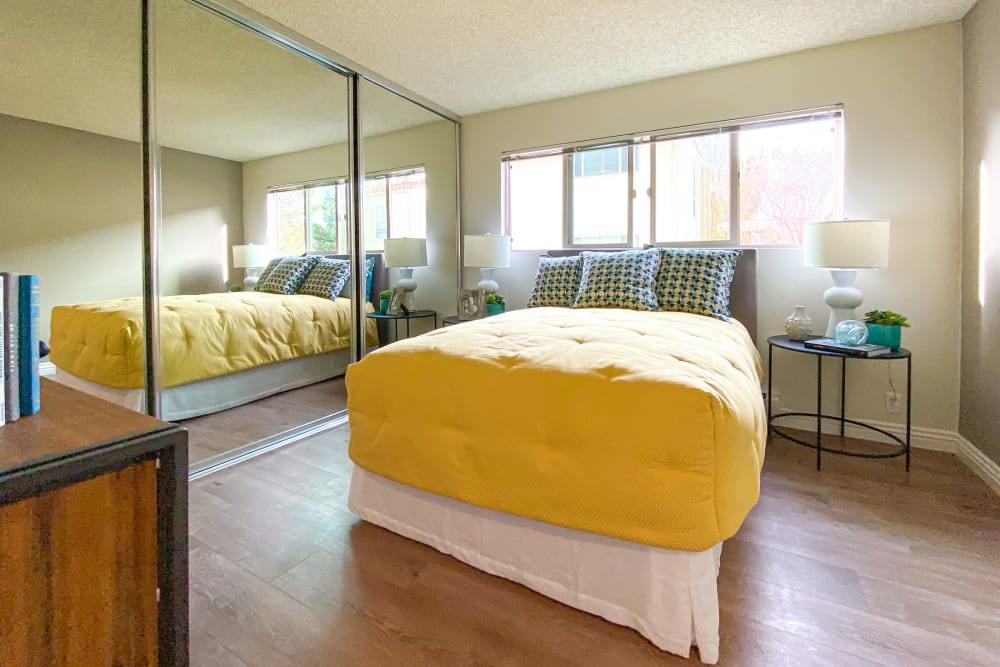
x=847, y=244
x=405, y=252
x=487, y=251
x=250, y=256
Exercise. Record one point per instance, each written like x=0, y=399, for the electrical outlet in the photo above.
x=892, y=402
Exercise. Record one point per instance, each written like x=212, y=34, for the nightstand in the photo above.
x=901, y=447
x=412, y=315
x=451, y=320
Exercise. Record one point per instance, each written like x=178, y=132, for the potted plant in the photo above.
x=383, y=300
x=885, y=327
x=495, y=303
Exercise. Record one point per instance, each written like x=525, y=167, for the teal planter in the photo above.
x=884, y=334
x=494, y=308
x=383, y=305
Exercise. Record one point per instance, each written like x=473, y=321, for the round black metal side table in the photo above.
x=412, y=315
x=901, y=446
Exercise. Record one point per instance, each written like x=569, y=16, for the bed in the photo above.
x=218, y=350
x=598, y=456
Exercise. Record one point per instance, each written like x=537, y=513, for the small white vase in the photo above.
x=798, y=325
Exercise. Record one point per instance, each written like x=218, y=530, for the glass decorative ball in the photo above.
x=851, y=332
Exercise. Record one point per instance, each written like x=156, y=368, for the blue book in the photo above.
x=28, y=383
x=12, y=394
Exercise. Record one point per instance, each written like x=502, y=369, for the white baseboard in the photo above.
x=979, y=463
x=921, y=437
x=46, y=369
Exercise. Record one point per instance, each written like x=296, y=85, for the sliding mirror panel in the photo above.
x=255, y=309
x=410, y=211
x=70, y=185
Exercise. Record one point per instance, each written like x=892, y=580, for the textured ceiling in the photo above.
x=478, y=55
x=221, y=90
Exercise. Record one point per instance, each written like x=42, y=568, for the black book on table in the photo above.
x=831, y=345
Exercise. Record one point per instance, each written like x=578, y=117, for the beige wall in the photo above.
x=432, y=146
x=71, y=211
x=902, y=99
x=980, y=418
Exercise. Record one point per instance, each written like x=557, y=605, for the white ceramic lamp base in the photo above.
x=487, y=283
x=409, y=286
x=843, y=298
x=250, y=278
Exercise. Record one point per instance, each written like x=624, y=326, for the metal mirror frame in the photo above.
x=268, y=29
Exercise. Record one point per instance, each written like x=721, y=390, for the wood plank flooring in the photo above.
x=860, y=564
x=221, y=432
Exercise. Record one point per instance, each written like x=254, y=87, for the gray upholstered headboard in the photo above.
x=742, y=300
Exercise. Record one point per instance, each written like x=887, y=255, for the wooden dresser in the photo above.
x=93, y=536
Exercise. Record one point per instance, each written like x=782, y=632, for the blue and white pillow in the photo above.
x=556, y=282
x=696, y=280
x=287, y=275
x=326, y=278
x=266, y=271
x=624, y=279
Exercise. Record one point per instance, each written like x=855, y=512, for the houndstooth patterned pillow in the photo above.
x=556, y=282
x=266, y=271
x=326, y=278
x=696, y=280
x=287, y=275
x=624, y=279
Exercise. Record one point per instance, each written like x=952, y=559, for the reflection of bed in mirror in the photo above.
x=220, y=350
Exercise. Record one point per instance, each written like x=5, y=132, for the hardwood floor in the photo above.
x=221, y=432
x=860, y=564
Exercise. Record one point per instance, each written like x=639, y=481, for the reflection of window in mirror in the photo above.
x=395, y=206
x=308, y=217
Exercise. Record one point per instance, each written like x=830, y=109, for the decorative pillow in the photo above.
x=369, y=271
x=266, y=271
x=556, y=282
x=287, y=275
x=624, y=279
x=696, y=280
x=326, y=278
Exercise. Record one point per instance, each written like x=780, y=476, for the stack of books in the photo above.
x=831, y=345
x=21, y=393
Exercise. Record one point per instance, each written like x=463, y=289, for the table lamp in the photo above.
x=844, y=247
x=487, y=252
x=405, y=254
x=252, y=258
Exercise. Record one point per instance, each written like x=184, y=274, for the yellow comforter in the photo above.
x=648, y=427
x=202, y=336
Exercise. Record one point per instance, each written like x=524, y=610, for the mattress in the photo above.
x=646, y=427
x=201, y=336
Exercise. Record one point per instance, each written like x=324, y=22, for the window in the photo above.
x=395, y=206
x=754, y=183
x=309, y=218
x=312, y=217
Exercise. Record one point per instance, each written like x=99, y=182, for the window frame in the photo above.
x=386, y=174
x=633, y=141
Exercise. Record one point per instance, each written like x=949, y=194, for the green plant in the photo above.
x=235, y=288
x=385, y=294
x=497, y=299
x=886, y=318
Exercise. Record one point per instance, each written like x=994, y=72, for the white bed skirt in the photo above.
x=226, y=391
x=670, y=597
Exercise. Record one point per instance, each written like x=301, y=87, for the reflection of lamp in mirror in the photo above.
x=252, y=258
x=487, y=252
x=405, y=254
x=844, y=246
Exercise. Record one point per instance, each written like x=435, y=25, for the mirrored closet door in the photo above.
x=410, y=210
x=71, y=207
x=255, y=307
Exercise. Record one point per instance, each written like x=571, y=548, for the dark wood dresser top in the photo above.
x=70, y=421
